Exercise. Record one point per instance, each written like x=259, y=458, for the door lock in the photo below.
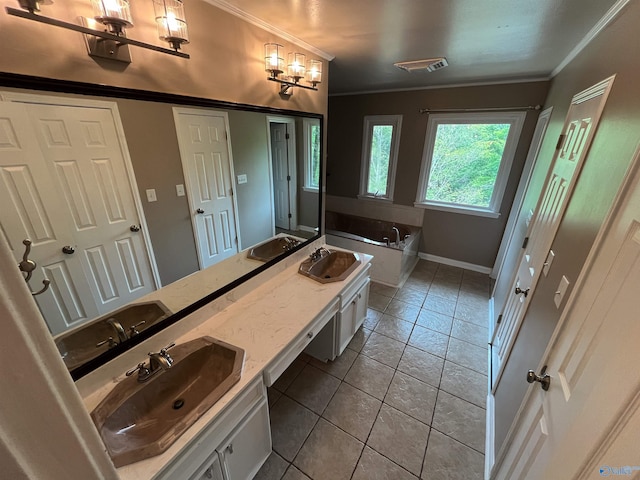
x=544, y=378
x=518, y=291
x=68, y=249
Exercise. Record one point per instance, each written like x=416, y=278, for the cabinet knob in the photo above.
x=208, y=473
x=230, y=448
x=310, y=335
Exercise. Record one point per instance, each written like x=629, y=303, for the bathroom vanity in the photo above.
x=282, y=314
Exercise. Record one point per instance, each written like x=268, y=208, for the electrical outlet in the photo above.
x=151, y=195
x=180, y=190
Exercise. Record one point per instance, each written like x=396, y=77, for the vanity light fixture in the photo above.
x=296, y=69
x=172, y=26
x=111, y=42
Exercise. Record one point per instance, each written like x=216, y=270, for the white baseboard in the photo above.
x=455, y=263
x=489, y=447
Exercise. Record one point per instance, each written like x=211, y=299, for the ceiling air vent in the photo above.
x=430, y=65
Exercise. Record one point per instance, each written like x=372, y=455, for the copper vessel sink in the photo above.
x=273, y=248
x=79, y=346
x=140, y=420
x=334, y=267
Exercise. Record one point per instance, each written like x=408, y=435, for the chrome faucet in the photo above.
x=157, y=362
x=395, y=229
x=318, y=254
x=289, y=243
x=119, y=329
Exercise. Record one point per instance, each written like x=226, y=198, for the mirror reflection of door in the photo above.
x=206, y=160
x=66, y=187
x=283, y=163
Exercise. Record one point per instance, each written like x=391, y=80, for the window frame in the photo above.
x=307, y=125
x=370, y=121
x=516, y=121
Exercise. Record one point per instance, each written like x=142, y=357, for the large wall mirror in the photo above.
x=142, y=207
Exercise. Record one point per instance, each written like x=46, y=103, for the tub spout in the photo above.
x=397, y=232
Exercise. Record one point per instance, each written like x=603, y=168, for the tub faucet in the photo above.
x=395, y=229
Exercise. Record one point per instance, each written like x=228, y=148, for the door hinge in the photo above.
x=290, y=215
x=525, y=242
x=286, y=135
x=499, y=319
x=288, y=178
x=560, y=141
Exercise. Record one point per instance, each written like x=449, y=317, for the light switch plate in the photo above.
x=242, y=179
x=547, y=263
x=561, y=291
x=180, y=190
x=151, y=195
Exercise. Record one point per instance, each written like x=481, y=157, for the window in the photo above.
x=466, y=161
x=379, y=156
x=311, y=139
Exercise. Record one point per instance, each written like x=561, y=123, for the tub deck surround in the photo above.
x=391, y=265
x=263, y=323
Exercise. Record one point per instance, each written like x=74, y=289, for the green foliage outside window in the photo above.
x=379, y=159
x=314, y=177
x=465, y=163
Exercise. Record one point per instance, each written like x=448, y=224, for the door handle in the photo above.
x=200, y=211
x=544, y=378
x=68, y=249
x=134, y=228
x=518, y=291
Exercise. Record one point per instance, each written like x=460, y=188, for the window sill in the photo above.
x=310, y=189
x=478, y=212
x=375, y=199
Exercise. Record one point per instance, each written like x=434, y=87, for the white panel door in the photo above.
x=207, y=167
x=67, y=177
x=580, y=126
x=281, y=177
x=586, y=425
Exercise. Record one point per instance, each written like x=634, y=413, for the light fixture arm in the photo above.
x=119, y=40
x=286, y=86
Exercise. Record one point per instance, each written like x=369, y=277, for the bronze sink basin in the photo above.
x=334, y=267
x=140, y=420
x=272, y=248
x=80, y=345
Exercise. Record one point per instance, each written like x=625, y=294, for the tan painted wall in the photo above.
x=456, y=236
x=610, y=154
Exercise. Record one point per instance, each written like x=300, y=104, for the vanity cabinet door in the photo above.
x=249, y=445
x=351, y=316
x=212, y=472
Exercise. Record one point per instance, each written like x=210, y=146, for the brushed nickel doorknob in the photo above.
x=134, y=228
x=200, y=210
x=68, y=249
x=544, y=378
x=518, y=291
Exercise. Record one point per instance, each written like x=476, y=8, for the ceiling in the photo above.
x=485, y=41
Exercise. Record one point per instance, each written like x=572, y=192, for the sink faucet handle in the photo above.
x=133, y=329
x=141, y=368
x=112, y=343
x=164, y=350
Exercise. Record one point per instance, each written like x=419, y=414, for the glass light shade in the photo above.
x=314, y=72
x=273, y=58
x=170, y=19
x=296, y=67
x=113, y=13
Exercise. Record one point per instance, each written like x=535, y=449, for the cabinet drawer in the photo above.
x=346, y=296
x=291, y=352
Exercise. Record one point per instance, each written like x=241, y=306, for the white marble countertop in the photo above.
x=263, y=322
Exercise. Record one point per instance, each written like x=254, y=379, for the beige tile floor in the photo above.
x=405, y=400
